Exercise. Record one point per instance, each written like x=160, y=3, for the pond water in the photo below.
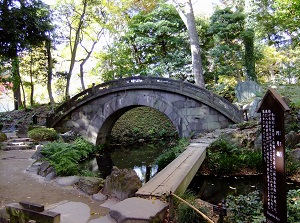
x=215, y=189
x=139, y=157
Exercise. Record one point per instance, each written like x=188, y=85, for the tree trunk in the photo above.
x=74, y=48
x=49, y=71
x=187, y=15
x=16, y=82
x=31, y=81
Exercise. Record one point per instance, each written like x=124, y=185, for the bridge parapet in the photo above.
x=148, y=82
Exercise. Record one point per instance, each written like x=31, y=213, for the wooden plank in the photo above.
x=17, y=213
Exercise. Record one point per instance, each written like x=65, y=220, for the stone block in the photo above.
x=139, y=210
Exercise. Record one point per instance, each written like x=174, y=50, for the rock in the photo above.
x=69, y=136
x=34, y=168
x=244, y=138
x=139, y=210
x=122, y=183
x=67, y=181
x=246, y=90
x=51, y=175
x=99, y=197
x=43, y=170
x=22, y=131
x=292, y=139
x=295, y=154
x=37, y=155
x=90, y=185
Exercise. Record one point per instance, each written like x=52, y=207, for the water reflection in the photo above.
x=145, y=173
x=139, y=157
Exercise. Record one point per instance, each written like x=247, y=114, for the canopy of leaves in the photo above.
x=22, y=24
x=155, y=43
x=227, y=54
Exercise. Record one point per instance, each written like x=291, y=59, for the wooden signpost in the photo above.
x=272, y=109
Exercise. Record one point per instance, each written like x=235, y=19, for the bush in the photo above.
x=43, y=134
x=249, y=208
x=245, y=208
x=184, y=213
x=65, y=157
x=3, y=137
x=223, y=157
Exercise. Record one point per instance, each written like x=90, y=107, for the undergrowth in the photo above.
x=225, y=158
x=249, y=208
x=66, y=157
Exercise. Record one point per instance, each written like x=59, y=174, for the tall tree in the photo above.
x=227, y=54
x=23, y=24
x=78, y=18
x=185, y=10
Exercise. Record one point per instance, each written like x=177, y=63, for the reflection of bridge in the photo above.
x=93, y=112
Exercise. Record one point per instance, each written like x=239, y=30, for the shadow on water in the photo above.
x=214, y=189
x=139, y=157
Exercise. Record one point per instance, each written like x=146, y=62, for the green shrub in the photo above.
x=245, y=208
x=3, y=137
x=185, y=214
x=293, y=205
x=65, y=157
x=224, y=157
x=169, y=155
x=249, y=208
x=43, y=134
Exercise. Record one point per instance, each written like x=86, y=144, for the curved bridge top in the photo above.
x=150, y=83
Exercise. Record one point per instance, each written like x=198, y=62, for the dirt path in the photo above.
x=16, y=184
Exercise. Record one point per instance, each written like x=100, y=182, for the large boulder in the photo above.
x=122, y=183
x=90, y=185
x=247, y=90
x=292, y=139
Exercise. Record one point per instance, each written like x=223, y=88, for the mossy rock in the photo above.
x=3, y=137
x=43, y=134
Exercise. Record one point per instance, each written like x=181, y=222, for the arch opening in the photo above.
x=136, y=123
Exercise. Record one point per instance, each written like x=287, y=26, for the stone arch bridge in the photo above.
x=93, y=112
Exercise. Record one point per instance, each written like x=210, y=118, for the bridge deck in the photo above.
x=178, y=174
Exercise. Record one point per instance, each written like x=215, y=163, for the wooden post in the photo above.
x=272, y=109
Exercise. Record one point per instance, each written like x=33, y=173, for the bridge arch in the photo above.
x=93, y=113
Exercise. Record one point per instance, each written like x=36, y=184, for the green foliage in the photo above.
x=168, y=156
x=155, y=43
x=245, y=208
x=184, y=213
x=3, y=136
x=65, y=158
x=249, y=208
x=142, y=123
x=227, y=28
x=43, y=134
x=293, y=206
x=225, y=158
x=225, y=87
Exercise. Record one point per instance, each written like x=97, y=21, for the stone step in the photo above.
x=105, y=219
x=16, y=147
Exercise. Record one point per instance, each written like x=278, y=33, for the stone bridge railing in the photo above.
x=148, y=82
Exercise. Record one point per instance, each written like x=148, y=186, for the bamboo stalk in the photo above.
x=199, y=212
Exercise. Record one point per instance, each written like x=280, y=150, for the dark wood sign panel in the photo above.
x=272, y=109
